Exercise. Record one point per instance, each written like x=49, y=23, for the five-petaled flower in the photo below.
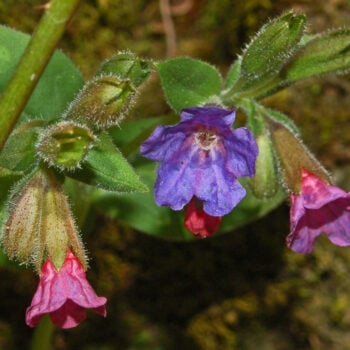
x=318, y=208
x=64, y=295
x=201, y=158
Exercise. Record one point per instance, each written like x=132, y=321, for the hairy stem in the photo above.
x=33, y=63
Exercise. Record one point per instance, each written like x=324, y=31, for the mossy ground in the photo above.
x=242, y=290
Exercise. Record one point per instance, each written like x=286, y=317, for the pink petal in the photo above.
x=64, y=294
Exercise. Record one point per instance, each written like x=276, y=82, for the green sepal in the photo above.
x=19, y=152
x=106, y=168
x=126, y=65
x=58, y=85
x=265, y=183
x=267, y=53
x=187, y=82
x=64, y=145
x=325, y=53
x=7, y=179
x=279, y=117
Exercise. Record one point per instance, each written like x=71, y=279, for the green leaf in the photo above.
x=326, y=53
x=188, y=82
x=57, y=86
x=19, y=152
x=127, y=65
x=105, y=167
x=272, y=46
x=233, y=73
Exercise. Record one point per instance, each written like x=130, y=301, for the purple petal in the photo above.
x=174, y=185
x=302, y=240
x=211, y=115
x=335, y=221
x=215, y=186
x=242, y=151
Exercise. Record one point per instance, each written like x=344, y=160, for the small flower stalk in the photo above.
x=64, y=294
x=201, y=158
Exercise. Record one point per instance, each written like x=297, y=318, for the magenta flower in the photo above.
x=319, y=208
x=64, y=295
x=201, y=158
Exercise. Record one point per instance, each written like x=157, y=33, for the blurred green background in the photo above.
x=242, y=290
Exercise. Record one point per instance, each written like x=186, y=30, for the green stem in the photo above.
x=43, y=335
x=33, y=63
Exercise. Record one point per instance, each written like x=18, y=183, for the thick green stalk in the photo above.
x=42, y=337
x=33, y=63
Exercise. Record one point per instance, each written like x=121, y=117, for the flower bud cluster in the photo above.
x=39, y=228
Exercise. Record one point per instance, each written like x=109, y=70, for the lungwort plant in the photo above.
x=208, y=174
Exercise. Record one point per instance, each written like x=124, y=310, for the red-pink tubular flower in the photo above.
x=64, y=295
x=318, y=208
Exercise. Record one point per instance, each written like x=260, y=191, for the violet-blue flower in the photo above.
x=202, y=157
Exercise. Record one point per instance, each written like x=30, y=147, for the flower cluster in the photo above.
x=53, y=245
x=201, y=159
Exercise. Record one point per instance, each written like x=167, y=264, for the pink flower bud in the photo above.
x=198, y=222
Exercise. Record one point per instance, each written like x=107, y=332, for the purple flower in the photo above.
x=64, y=295
x=319, y=208
x=202, y=157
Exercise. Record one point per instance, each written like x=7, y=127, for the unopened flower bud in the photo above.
x=265, y=182
x=103, y=102
x=294, y=156
x=40, y=223
x=65, y=145
x=127, y=65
